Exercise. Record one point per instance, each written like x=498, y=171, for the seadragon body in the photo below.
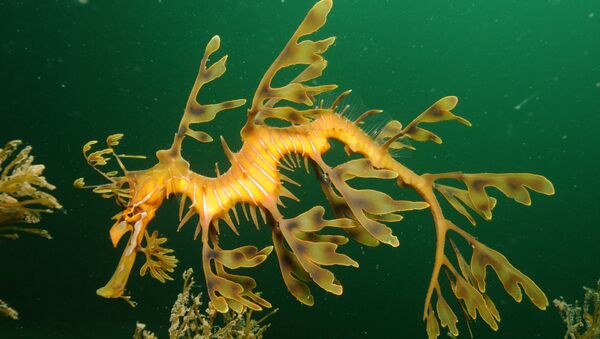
x=255, y=180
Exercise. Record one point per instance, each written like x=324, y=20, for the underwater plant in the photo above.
x=22, y=199
x=255, y=181
x=189, y=321
x=583, y=322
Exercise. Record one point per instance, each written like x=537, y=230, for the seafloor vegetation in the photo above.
x=22, y=199
x=582, y=321
x=188, y=320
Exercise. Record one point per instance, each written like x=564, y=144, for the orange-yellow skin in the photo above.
x=253, y=178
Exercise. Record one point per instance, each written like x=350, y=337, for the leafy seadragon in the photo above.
x=255, y=182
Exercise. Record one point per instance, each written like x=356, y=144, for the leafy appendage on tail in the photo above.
x=295, y=52
x=468, y=282
x=513, y=185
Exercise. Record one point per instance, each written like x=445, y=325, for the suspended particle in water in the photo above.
x=526, y=100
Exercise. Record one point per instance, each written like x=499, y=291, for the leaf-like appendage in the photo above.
x=512, y=279
x=292, y=272
x=196, y=112
x=226, y=290
x=306, y=52
x=433, y=328
x=342, y=210
x=390, y=130
x=447, y=316
x=439, y=111
x=159, y=260
x=460, y=198
x=245, y=256
x=312, y=252
x=362, y=168
x=366, y=203
x=513, y=185
x=248, y=285
x=473, y=300
x=114, y=139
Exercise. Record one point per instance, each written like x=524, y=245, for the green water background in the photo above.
x=75, y=71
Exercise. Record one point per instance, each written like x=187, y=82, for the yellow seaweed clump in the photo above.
x=583, y=322
x=22, y=200
x=21, y=197
x=189, y=321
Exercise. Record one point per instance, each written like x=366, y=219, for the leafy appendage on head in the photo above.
x=117, y=179
x=306, y=52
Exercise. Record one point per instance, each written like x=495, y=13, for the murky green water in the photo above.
x=527, y=75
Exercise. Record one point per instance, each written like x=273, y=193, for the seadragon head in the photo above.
x=140, y=194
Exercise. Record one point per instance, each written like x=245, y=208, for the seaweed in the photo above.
x=188, y=320
x=582, y=321
x=22, y=198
